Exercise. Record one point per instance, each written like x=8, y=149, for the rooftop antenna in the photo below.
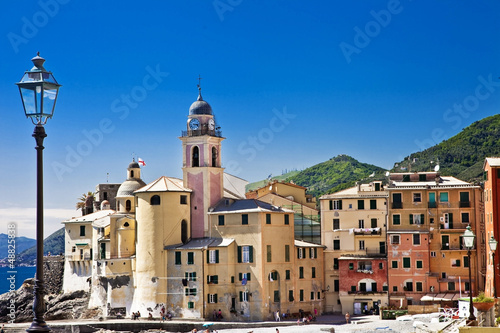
x=199, y=87
x=436, y=168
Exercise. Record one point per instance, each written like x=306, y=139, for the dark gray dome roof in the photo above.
x=133, y=164
x=128, y=187
x=200, y=107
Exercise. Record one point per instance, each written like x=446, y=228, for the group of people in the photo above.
x=217, y=315
x=165, y=315
x=136, y=315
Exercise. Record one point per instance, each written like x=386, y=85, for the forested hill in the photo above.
x=337, y=173
x=53, y=244
x=462, y=155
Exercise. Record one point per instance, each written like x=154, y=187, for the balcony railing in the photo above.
x=76, y=257
x=453, y=226
x=464, y=204
x=202, y=131
x=357, y=292
x=397, y=205
x=367, y=231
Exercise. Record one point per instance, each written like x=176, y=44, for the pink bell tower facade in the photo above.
x=201, y=164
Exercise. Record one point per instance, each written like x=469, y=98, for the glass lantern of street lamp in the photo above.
x=493, y=243
x=38, y=89
x=468, y=237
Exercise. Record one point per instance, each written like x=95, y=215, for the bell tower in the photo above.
x=201, y=163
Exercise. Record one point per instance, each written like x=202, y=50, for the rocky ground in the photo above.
x=59, y=306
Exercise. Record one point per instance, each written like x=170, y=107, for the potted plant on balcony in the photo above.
x=483, y=303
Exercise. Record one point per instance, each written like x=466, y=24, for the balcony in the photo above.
x=365, y=271
x=367, y=231
x=397, y=205
x=372, y=292
x=202, y=131
x=464, y=204
x=78, y=257
x=443, y=226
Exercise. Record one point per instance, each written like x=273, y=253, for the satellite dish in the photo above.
x=387, y=173
x=436, y=168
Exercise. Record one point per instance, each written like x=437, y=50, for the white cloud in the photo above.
x=25, y=220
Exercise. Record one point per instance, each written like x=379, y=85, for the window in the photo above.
x=466, y=286
x=417, y=218
x=443, y=197
x=409, y=286
x=212, y=298
x=300, y=253
x=466, y=261
x=443, y=275
x=244, y=276
x=243, y=296
x=361, y=244
x=361, y=224
x=394, y=239
x=82, y=230
x=336, y=244
x=335, y=204
x=336, y=285
x=287, y=253
x=183, y=199
x=287, y=219
x=301, y=299
x=155, y=200
x=455, y=263
x=451, y=285
x=190, y=292
x=445, y=242
x=190, y=276
x=268, y=218
x=417, y=197
x=418, y=286
x=244, y=218
x=128, y=205
x=196, y=157
x=380, y=265
x=273, y=276
x=373, y=223
x=396, y=219
x=335, y=263
x=433, y=254
x=416, y=239
x=464, y=199
x=420, y=264
x=373, y=204
x=245, y=254
x=313, y=252
x=406, y=262
x=396, y=201
x=190, y=258
x=269, y=254
x=232, y=279
x=361, y=204
x=465, y=217
x=287, y=274
x=394, y=288
x=212, y=279
x=190, y=305
x=214, y=157
x=313, y=272
x=351, y=266
x=336, y=224
x=290, y=296
x=276, y=296
x=213, y=256
x=312, y=295
x=353, y=288
x=301, y=272
x=221, y=219
x=178, y=258
x=406, y=178
x=422, y=177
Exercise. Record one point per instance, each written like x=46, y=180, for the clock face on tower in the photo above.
x=211, y=124
x=194, y=124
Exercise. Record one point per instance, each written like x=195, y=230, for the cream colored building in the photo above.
x=354, y=233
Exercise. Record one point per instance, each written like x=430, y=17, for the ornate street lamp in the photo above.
x=493, y=247
x=468, y=237
x=39, y=89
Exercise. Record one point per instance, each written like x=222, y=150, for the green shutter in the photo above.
x=240, y=276
x=450, y=217
x=250, y=250
x=239, y=253
x=215, y=279
x=208, y=256
x=315, y=252
x=422, y=218
x=411, y=218
x=215, y=298
x=340, y=204
x=331, y=204
x=216, y=256
x=248, y=276
x=241, y=296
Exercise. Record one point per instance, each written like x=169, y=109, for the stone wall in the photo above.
x=53, y=272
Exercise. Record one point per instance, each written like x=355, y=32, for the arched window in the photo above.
x=214, y=156
x=128, y=205
x=196, y=157
x=155, y=200
x=131, y=173
x=184, y=231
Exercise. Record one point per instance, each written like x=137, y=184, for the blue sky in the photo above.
x=291, y=83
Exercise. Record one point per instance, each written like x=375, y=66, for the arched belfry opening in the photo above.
x=196, y=157
x=214, y=157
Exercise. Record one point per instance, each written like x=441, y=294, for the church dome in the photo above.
x=200, y=107
x=133, y=164
x=128, y=187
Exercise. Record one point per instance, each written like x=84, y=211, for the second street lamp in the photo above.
x=493, y=247
x=38, y=90
x=468, y=237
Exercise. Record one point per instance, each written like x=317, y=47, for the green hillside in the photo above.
x=337, y=173
x=261, y=183
x=462, y=155
x=53, y=244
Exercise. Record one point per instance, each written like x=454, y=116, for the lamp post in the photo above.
x=38, y=90
x=493, y=247
x=468, y=237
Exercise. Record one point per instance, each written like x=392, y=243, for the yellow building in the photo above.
x=353, y=229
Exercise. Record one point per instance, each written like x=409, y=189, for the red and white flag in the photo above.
x=141, y=161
